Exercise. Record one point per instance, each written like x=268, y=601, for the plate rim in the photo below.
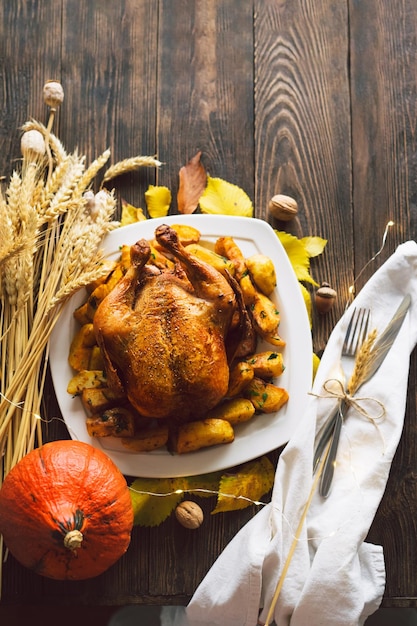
x=150, y=465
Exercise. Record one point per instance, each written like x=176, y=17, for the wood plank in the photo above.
x=205, y=90
x=302, y=130
x=30, y=55
x=109, y=70
x=384, y=90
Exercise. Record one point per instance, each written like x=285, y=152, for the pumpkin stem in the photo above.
x=73, y=539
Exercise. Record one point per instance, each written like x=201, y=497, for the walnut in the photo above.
x=283, y=207
x=189, y=514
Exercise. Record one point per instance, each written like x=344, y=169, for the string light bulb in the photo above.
x=351, y=289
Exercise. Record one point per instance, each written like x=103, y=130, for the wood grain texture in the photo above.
x=310, y=98
x=302, y=130
x=384, y=117
x=205, y=89
x=384, y=169
x=109, y=70
x=25, y=29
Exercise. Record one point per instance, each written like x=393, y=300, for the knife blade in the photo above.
x=384, y=342
x=377, y=356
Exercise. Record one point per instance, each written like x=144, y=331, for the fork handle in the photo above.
x=324, y=438
x=329, y=463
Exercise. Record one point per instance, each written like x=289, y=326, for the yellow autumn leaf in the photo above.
x=316, y=363
x=313, y=245
x=298, y=256
x=251, y=482
x=131, y=214
x=152, y=510
x=158, y=200
x=307, y=301
x=204, y=485
x=223, y=198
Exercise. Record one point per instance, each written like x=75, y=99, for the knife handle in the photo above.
x=324, y=438
x=330, y=461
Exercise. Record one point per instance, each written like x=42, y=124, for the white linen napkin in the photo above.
x=334, y=576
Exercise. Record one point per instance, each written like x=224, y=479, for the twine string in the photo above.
x=334, y=388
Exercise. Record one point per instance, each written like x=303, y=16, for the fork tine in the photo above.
x=356, y=331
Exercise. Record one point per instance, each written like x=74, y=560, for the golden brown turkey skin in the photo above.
x=162, y=333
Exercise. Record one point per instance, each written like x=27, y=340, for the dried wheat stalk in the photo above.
x=129, y=165
x=51, y=229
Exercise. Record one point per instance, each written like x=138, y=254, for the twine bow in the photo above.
x=334, y=388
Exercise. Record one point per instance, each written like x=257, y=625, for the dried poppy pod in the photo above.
x=53, y=94
x=32, y=145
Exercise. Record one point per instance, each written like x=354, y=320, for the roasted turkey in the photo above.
x=168, y=336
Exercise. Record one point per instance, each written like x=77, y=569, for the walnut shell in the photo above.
x=283, y=207
x=189, y=514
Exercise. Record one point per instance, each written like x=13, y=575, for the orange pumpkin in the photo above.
x=66, y=511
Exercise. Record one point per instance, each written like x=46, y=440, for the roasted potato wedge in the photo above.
x=227, y=247
x=266, y=364
x=86, y=379
x=240, y=376
x=202, y=434
x=234, y=411
x=159, y=259
x=83, y=314
x=266, y=397
x=108, y=267
x=220, y=263
x=264, y=313
x=262, y=272
x=80, y=348
x=98, y=399
x=274, y=340
x=96, y=359
x=147, y=440
x=125, y=260
x=115, y=422
x=186, y=234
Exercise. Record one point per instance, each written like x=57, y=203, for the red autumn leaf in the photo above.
x=193, y=178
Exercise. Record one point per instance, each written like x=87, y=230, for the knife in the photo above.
x=377, y=355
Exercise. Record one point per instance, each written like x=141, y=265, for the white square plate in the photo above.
x=264, y=432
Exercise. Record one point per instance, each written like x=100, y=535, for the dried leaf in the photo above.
x=298, y=256
x=152, y=510
x=204, y=485
x=313, y=245
x=158, y=201
x=193, y=179
x=223, y=198
x=130, y=214
x=251, y=482
x=307, y=301
x=316, y=363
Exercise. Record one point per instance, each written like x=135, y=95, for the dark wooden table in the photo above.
x=310, y=98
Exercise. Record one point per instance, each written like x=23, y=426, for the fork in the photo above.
x=355, y=334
